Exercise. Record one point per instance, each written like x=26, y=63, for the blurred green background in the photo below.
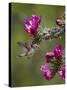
x=24, y=71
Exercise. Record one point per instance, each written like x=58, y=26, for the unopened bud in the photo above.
x=60, y=22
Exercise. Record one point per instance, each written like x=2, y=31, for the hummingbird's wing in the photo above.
x=21, y=44
x=24, y=49
x=25, y=45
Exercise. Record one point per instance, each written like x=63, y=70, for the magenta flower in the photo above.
x=53, y=58
x=47, y=72
x=49, y=55
x=31, y=25
x=62, y=73
x=58, y=52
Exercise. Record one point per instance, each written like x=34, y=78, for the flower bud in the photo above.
x=49, y=55
x=59, y=22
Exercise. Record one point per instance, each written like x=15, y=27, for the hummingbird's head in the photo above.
x=35, y=46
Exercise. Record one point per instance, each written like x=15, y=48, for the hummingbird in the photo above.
x=27, y=49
